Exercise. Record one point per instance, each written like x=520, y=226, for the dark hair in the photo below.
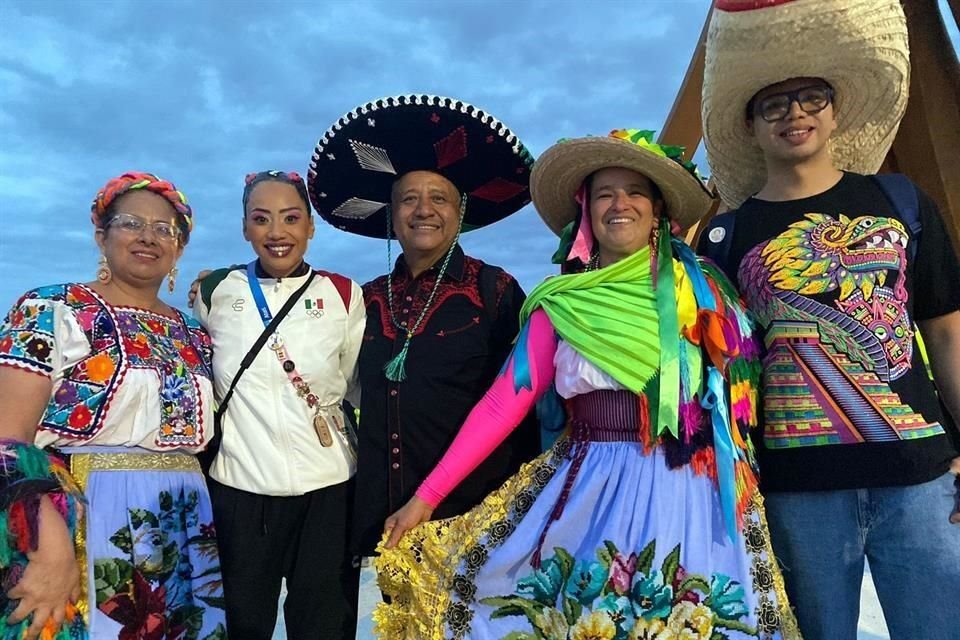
x=292, y=178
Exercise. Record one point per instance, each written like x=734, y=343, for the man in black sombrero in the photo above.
x=424, y=169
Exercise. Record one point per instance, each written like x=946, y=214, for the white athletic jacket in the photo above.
x=269, y=443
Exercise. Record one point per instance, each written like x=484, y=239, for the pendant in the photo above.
x=323, y=431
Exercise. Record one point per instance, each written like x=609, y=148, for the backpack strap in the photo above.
x=208, y=284
x=343, y=284
x=719, y=238
x=902, y=194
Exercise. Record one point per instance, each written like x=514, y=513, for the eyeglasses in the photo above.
x=776, y=106
x=132, y=224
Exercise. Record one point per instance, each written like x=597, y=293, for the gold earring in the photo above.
x=104, y=275
x=172, y=279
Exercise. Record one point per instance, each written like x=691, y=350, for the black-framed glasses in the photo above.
x=130, y=223
x=776, y=106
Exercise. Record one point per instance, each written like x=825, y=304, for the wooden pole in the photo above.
x=927, y=147
x=955, y=10
x=684, y=126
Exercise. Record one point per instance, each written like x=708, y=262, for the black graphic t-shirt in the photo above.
x=838, y=288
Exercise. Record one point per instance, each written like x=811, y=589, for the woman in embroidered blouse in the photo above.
x=119, y=382
x=282, y=480
x=644, y=520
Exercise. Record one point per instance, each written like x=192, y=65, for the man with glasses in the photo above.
x=842, y=270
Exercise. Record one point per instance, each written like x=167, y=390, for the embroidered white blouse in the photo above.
x=121, y=376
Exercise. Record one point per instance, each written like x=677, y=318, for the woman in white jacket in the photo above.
x=282, y=477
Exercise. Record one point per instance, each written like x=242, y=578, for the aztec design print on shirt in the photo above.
x=832, y=295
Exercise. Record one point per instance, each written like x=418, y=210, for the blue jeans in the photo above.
x=821, y=539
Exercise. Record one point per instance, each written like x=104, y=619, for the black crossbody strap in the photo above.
x=261, y=340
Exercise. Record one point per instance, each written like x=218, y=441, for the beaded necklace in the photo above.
x=395, y=369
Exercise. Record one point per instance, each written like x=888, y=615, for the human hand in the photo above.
x=409, y=516
x=195, y=287
x=51, y=581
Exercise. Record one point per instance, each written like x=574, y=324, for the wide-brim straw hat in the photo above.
x=859, y=46
x=559, y=172
x=364, y=152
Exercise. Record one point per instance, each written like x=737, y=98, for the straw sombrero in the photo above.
x=362, y=154
x=858, y=46
x=559, y=172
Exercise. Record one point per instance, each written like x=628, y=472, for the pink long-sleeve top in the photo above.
x=500, y=410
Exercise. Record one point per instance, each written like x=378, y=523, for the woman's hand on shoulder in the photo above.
x=52, y=577
x=195, y=287
x=416, y=511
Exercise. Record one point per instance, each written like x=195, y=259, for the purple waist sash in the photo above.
x=598, y=416
x=605, y=416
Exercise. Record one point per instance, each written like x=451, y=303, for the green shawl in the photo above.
x=617, y=320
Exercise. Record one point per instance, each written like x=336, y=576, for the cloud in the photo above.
x=203, y=93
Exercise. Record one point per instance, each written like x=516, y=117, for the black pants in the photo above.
x=263, y=539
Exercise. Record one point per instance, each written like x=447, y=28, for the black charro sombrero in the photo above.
x=359, y=158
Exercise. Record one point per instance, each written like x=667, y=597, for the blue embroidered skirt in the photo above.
x=147, y=545
x=594, y=539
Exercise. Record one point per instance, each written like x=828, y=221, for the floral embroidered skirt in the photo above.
x=639, y=551
x=148, y=546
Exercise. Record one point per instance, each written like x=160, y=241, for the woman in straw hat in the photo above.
x=108, y=377
x=801, y=99
x=644, y=520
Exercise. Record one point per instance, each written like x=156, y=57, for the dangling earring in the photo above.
x=104, y=275
x=655, y=248
x=594, y=263
x=172, y=279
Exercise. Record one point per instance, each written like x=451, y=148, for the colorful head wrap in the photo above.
x=132, y=180
x=287, y=177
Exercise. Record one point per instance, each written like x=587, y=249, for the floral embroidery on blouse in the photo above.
x=120, y=339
